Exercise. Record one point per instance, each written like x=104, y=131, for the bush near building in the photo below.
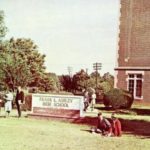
x=118, y=98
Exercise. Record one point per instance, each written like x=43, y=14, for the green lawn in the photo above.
x=32, y=134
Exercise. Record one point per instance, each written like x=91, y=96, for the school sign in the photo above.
x=48, y=105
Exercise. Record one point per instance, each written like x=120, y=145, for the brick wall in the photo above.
x=146, y=86
x=121, y=76
x=134, y=45
x=134, y=42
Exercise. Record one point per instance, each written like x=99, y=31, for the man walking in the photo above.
x=19, y=99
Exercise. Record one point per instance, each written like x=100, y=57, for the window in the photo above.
x=131, y=86
x=135, y=85
x=138, y=88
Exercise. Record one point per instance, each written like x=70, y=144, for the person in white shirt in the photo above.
x=8, y=102
x=93, y=100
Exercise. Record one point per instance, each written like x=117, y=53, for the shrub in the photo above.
x=28, y=103
x=117, y=98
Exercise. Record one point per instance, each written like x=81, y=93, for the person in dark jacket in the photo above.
x=103, y=126
x=19, y=99
x=86, y=99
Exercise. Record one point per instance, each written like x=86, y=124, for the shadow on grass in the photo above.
x=91, y=121
x=104, y=108
x=86, y=130
x=140, y=111
x=135, y=127
x=137, y=111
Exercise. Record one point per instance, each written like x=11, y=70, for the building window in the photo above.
x=138, y=88
x=135, y=85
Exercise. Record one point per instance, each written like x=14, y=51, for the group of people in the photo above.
x=106, y=127
x=9, y=97
x=89, y=100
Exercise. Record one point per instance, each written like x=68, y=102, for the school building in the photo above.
x=133, y=56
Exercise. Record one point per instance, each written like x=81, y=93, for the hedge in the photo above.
x=118, y=98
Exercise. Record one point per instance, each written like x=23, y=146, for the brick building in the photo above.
x=133, y=61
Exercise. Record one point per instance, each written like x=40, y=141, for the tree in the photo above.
x=108, y=82
x=56, y=81
x=95, y=78
x=3, y=28
x=20, y=62
x=66, y=82
x=80, y=80
x=50, y=82
x=108, y=77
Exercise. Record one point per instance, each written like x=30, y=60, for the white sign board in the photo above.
x=59, y=102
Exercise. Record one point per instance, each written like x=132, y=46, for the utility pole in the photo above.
x=96, y=67
x=70, y=75
x=70, y=71
x=87, y=70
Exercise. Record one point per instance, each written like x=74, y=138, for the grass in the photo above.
x=32, y=134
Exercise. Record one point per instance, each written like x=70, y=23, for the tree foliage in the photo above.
x=20, y=62
x=66, y=82
x=80, y=80
x=50, y=82
x=118, y=98
x=3, y=28
x=109, y=78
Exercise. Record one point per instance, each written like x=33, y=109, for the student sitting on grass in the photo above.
x=116, y=126
x=103, y=126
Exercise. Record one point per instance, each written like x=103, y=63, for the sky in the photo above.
x=71, y=33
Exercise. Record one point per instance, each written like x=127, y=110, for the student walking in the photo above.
x=86, y=99
x=8, y=102
x=19, y=99
x=93, y=101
